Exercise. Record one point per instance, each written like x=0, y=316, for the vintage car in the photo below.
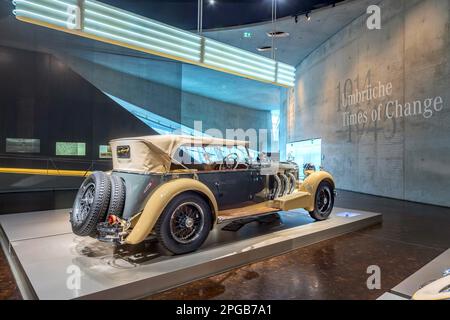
x=178, y=187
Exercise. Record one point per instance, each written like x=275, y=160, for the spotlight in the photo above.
x=212, y=2
x=308, y=16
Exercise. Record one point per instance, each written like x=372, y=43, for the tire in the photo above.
x=91, y=204
x=117, y=200
x=172, y=229
x=323, y=202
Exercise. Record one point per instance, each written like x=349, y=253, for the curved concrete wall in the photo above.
x=404, y=155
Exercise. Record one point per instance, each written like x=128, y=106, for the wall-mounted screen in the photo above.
x=17, y=145
x=77, y=149
x=105, y=152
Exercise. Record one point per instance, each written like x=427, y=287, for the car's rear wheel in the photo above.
x=324, y=202
x=184, y=224
x=91, y=204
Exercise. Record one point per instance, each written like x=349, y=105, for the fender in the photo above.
x=311, y=184
x=160, y=199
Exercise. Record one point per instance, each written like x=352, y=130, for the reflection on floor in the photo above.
x=410, y=237
x=44, y=250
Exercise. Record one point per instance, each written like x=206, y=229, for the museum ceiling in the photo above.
x=217, y=13
x=303, y=38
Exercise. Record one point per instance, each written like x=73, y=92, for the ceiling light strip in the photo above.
x=92, y=24
x=112, y=25
x=37, y=16
x=33, y=5
x=140, y=44
x=41, y=10
x=227, y=48
x=196, y=43
x=238, y=64
x=287, y=84
x=238, y=70
x=128, y=16
x=286, y=67
x=286, y=78
x=286, y=74
x=230, y=56
x=61, y=4
x=283, y=77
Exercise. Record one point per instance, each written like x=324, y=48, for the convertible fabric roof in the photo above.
x=155, y=153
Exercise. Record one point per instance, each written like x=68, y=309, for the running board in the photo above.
x=293, y=201
x=250, y=211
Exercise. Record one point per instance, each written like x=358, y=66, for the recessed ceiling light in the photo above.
x=277, y=34
x=265, y=48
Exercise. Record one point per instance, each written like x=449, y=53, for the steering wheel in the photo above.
x=227, y=162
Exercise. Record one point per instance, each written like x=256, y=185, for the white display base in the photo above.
x=46, y=257
x=432, y=271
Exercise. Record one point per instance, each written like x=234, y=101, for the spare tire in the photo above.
x=91, y=204
x=117, y=200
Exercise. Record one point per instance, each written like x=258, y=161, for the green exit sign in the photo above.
x=247, y=34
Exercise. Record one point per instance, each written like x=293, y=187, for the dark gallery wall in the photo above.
x=41, y=98
x=55, y=87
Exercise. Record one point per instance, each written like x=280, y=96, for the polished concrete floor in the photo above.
x=410, y=237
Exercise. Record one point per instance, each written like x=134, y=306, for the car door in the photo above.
x=231, y=188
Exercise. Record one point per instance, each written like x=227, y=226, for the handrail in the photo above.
x=51, y=166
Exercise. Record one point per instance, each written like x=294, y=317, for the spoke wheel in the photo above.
x=187, y=222
x=83, y=206
x=91, y=204
x=324, y=202
x=184, y=224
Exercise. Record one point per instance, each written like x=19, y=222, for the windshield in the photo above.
x=187, y=154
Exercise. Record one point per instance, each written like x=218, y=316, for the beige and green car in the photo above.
x=178, y=188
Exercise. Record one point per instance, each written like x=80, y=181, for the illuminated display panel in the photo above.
x=17, y=145
x=71, y=149
x=104, y=152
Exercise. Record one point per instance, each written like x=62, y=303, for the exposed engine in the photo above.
x=284, y=182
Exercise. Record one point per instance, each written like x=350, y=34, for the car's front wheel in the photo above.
x=324, y=202
x=184, y=224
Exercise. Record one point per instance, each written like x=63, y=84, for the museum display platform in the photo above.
x=432, y=271
x=46, y=258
